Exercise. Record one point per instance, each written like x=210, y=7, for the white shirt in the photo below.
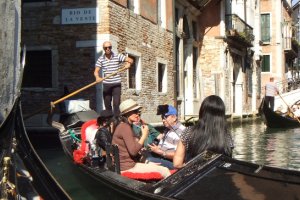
x=171, y=138
x=271, y=89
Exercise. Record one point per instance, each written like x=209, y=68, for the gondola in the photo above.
x=274, y=119
x=207, y=176
x=17, y=156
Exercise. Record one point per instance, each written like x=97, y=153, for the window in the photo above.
x=161, y=13
x=176, y=17
x=130, y=5
x=265, y=66
x=38, y=69
x=134, y=6
x=162, y=78
x=250, y=84
x=265, y=28
x=132, y=74
x=195, y=31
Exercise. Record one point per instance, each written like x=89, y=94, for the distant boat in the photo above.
x=208, y=176
x=274, y=119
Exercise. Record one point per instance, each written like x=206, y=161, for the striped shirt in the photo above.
x=171, y=137
x=110, y=66
x=271, y=89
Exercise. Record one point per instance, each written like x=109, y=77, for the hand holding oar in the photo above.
x=289, y=108
x=88, y=86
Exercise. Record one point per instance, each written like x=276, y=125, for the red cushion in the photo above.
x=146, y=176
x=143, y=176
x=79, y=154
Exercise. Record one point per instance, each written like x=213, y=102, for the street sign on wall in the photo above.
x=79, y=16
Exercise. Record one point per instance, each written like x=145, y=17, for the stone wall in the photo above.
x=10, y=29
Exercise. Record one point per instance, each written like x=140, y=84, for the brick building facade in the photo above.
x=64, y=39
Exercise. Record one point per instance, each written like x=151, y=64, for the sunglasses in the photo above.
x=137, y=112
x=164, y=116
x=109, y=47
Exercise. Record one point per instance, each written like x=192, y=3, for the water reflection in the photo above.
x=256, y=143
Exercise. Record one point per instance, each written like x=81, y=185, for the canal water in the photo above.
x=254, y=142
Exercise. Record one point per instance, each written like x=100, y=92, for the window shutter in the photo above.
x=265, y=27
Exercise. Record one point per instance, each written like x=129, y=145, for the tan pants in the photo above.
x=150, y=167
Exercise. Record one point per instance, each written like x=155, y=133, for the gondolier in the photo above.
x=271, y=90
x=111, y=62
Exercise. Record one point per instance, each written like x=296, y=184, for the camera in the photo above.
x=155, y=141
x=162, y=109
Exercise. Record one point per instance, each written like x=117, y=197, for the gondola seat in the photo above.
x=149, y=176
x=89, y=127
x=113, y=154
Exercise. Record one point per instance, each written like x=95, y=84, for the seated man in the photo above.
x=163, y=153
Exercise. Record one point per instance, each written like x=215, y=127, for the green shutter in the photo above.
x=266, y=63
x=265, y=27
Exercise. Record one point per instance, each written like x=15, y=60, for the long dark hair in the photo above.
x=210, y=132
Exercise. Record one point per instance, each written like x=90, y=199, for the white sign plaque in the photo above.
x=79, y=16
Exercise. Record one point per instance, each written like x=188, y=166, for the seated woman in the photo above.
x=210, y=133
x=129, y=146
x=103, y=136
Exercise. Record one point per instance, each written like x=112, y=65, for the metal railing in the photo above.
x=286, y=86
x=292, y=84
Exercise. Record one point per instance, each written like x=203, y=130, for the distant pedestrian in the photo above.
x=110, y=63
x=290, y=80
x=270, y=91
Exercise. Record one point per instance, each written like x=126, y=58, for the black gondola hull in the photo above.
x=208, y=176
x=275, y=120
x=43, y=183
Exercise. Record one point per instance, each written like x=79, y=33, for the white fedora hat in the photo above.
x=128, y=105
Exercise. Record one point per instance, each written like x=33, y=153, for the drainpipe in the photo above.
x=174, y=57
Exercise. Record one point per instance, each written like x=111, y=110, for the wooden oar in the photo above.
x=288, y=107
x=73, y=93
x=87, y=86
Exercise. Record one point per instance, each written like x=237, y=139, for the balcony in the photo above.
x=290, y=46
x=238, y=30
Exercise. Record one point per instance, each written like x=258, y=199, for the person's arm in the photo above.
x=96, y=74
x=128, y=61
x=132, y=146
x=145, y=133
x=178, y=160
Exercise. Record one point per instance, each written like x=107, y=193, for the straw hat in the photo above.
x=128, y=105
